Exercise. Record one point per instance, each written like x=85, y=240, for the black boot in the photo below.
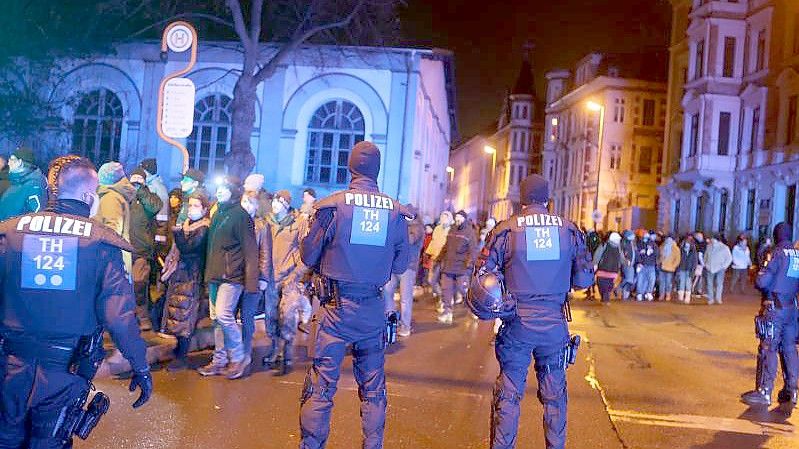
x=181, y=355
x=785, y=396
x=271, y=354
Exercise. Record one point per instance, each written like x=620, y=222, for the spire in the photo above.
x=525, y=83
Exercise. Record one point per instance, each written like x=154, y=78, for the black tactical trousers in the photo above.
x=782, y=343
x=32, y=396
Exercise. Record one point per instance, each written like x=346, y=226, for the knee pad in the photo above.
x=501, y=395
x=372, y=397
x=551, y=386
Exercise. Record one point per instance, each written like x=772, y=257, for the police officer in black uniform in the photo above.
x=357, y=239
x=62, y=282
x=540, y=257
x=776, y=325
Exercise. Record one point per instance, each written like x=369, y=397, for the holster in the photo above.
x=391, y=329
x=764, y=323
x=74, y=420
x=326, y=290
x=570, y=352
x=88, y=355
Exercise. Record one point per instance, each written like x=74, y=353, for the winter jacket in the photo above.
x=185, y=288
x=157, y=186
x=630, y=252
x=717, y=257
x=608, y=258
x=284, y=248
x=232, y=250
x=4, y=182
x=741, y=257
x=459, y=251
x=114, y=210
x=143, y=211
x=437, y=243
x=26, y=193
x=689, y=259
x=416, y=237
x=648, y=253
x=669, y=258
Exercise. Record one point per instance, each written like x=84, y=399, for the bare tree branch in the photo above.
x=238, y=22
x=300, y=37
x=190, y=15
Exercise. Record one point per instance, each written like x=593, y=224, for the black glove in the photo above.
x=144, y=381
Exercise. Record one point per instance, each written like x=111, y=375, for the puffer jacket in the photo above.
x=717, y=257
x=185, y=288
x=26, y=193
x=143, y=210
x=114, y=210
x=285, y=248
x=459, y=251
x=669, y=258
x=232, y=250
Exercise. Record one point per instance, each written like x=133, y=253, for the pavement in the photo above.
x=648, y=375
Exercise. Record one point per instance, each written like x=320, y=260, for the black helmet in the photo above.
x=487, y=299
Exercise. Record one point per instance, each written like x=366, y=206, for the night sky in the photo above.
x=488, y=38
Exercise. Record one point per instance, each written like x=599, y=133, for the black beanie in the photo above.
x=25, y=154
x=534, y=189
x=365, y=160
x=783, y=232
x=151, y=165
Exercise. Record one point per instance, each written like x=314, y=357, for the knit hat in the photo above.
x=285, y=195
x=254, y=182
x=614, y=238
x=310, y=191
x=463, y=214
x=365, y=160
x=195, y=174
x=535, y=189
x=25, y=154
x=628, y=234
x=110, y=173
x=150, y=165
x=783, y=232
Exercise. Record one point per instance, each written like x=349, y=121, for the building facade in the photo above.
x=308, y=115
x=734, y=126
x=604, y=140
x=488, y=168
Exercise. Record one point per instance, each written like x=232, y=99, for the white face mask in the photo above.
x=278, y=207
x=188, y=186
x=93, y=201
x=459, y=220
x=195, y=213
x=249, y=206
x=444, y=220
x=223, y=194
x=15, y=165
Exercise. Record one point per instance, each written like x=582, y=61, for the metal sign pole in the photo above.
x=176, y=36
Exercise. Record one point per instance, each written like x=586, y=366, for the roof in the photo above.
x=647, y=66
x=525, y=83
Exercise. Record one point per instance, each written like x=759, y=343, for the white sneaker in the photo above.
x=445, y=318
x=440, y=307
x=639, y=297
x=649, y=297
x=404, y=332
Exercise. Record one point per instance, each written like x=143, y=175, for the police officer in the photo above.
x=61, y=280
x=541, y=257
x=358, y=238
x=776, y=325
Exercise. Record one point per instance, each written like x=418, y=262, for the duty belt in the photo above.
x=783, y=303
x=48, y=354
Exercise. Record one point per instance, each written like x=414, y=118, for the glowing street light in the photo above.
x=450, y=170
x=489, y=149
x=594, y=106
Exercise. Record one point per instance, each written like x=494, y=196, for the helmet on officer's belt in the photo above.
x=487, y=298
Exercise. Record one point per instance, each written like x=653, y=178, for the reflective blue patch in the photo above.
x=369, y=226
x=49, y=263
x=793, y=267
x=543, y=242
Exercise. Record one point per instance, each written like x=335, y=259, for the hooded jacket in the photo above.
x=26, y=193
x=460, y=250
x=114, y=210
x=232, y=249
x=669, y=258
x=439, y=239
x=284, y=248
x=717, y=257
x=143, y=211
x=741, y=257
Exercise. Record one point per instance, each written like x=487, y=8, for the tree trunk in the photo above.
x=240, y=161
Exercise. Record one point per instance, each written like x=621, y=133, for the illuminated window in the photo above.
x=618, y=110
x=335, y=127
x=97, y=126
x=210, y=138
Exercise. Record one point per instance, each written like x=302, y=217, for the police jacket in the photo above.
x=232, y=250
x=459, y=251
x=26, y=192
x=358, y=236
x=540, y=255
x=61, y=276
x=781, y=275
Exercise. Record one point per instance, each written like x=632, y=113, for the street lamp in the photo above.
x=451, y=172
x=597, y=107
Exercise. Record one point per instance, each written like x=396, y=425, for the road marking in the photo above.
x=705, y=423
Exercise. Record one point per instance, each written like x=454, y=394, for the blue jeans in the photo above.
x=666, y=282
x=627, y=280
x=405, y=281
x=434, y=279
x=685, y=280
x=228, y=345
x=715, y=286
x=646, y=280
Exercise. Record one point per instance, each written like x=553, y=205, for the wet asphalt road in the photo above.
x=652, y=375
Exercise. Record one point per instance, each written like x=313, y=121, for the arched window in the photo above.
x=210, y=139
x=334, y=129
x=97, y=127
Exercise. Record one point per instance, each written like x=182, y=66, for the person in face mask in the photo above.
x=456, y=258
x=433, y=250
x=629, y=252
x=231, y=271
x=648, y=253
x=689, y=259
x=741, y=262
x=192, y=181
x=185, y=287
x=426, y=261
x=308, y=201
x=27, y=186
x=249, y=303
x=116, y=195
